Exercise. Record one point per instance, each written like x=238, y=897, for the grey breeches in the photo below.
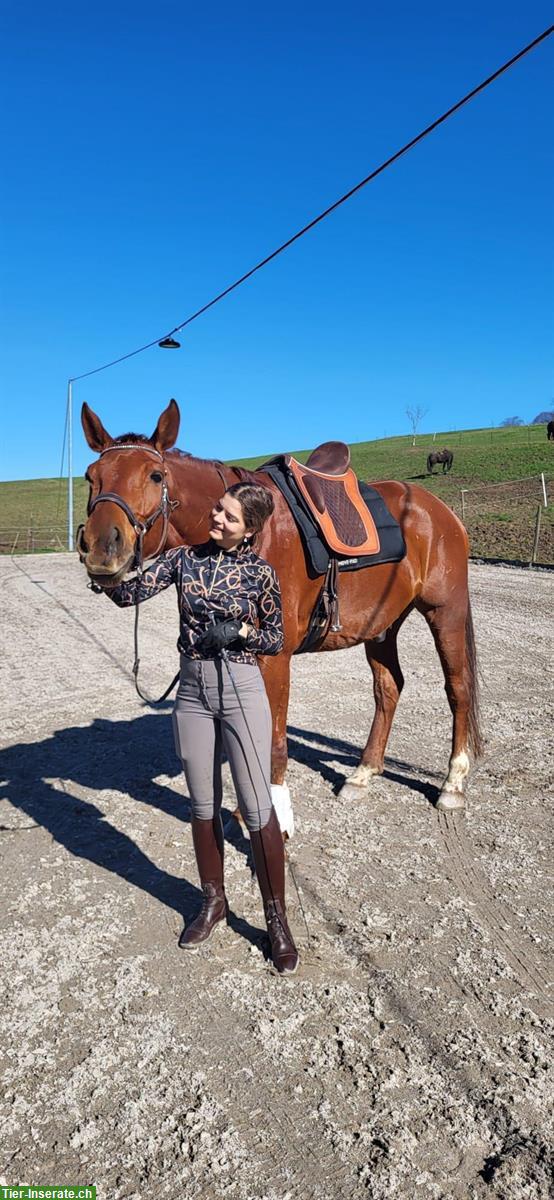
x=207, y=720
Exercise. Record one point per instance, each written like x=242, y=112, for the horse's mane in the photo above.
x=243, y=475
x=140, y=439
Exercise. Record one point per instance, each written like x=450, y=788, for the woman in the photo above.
x=230, y=611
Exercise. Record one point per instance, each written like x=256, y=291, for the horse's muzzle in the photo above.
x=100, y=558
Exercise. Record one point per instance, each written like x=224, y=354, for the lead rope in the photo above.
x=147, y=699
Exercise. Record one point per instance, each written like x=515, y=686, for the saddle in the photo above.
x=331, y=490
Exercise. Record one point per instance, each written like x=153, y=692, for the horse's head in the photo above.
x=128, y=503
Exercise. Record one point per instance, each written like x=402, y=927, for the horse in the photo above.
x=550, y=431
x=162, y=497
x=445, y=457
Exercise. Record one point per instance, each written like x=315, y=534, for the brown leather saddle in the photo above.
x=330, y=488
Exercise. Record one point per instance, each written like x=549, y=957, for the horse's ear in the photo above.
x=167, y=429
x=97, y=437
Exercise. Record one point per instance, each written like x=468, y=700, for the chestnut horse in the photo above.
x=170, y=494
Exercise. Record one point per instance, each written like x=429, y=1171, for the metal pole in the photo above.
x=544, y=489
x=69, y=465
x=464, y=490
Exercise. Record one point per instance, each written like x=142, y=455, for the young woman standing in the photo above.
x=230, y=612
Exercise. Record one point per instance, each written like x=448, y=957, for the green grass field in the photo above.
x=498, y=471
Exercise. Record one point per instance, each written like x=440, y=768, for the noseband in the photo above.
x=141, y=528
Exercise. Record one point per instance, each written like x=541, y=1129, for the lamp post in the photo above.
x=70, y=464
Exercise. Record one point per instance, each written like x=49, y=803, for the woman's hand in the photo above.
x=220, y=636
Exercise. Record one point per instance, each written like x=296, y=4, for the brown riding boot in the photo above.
x=269, y=860
x=207, y=837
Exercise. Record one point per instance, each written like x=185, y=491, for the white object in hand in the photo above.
x=280, y=797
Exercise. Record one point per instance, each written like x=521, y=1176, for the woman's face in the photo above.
x=228, y=527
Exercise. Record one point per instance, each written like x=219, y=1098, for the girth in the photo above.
x=334, y=499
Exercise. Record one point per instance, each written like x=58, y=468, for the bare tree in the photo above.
x=508, y=421
x=415, y=414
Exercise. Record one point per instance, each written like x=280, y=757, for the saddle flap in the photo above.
x=338, y=508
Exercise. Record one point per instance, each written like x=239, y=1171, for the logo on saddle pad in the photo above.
x=328, y=485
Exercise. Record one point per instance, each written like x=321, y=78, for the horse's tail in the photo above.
x=474, y=719
x=429, y=464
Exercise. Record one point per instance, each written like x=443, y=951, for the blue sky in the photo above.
x=153, y=153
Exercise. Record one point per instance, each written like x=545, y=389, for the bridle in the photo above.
x=141, y=528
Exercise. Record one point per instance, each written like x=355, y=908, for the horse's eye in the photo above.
x=157, y=477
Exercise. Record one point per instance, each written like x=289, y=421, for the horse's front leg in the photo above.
x=276, y=673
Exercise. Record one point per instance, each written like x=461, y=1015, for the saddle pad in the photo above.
x=392, y=546
x=338, y=508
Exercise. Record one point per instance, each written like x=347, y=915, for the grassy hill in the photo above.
x=498, y=471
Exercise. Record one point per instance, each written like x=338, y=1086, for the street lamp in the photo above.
x=169, y=343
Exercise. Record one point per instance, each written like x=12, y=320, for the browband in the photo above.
x=132, y=446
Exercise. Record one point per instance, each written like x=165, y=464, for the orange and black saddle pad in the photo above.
x=338, y=508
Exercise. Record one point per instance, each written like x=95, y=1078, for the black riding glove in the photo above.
x=221, y=636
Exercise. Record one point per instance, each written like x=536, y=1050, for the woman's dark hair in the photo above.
x=256, y=502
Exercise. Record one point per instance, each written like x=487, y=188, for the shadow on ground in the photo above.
x=128, y=757
x=324, y=751
x=121, y=756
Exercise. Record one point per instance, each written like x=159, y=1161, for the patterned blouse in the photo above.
x=228, y=584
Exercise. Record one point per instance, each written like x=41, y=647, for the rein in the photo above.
x=141, y=528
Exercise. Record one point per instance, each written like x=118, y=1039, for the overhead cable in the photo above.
x=342, y=200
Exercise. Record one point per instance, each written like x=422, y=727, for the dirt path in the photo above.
x=409, y=1056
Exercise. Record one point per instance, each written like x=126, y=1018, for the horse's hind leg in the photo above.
x=452, y=631
x=388, y=682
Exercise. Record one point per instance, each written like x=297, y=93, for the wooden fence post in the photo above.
x=537, y=532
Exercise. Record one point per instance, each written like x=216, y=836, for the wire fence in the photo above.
x=511, y=521
x=33, y=539
x=528, y=435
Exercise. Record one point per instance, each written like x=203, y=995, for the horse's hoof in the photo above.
x=353, y=791
x=451, y=802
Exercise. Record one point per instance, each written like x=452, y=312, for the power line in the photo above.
x=342, y=200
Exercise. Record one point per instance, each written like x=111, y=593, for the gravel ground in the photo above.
x=408, y=1057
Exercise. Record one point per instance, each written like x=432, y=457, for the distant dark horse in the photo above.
x=550, y=431
x=445, y=457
